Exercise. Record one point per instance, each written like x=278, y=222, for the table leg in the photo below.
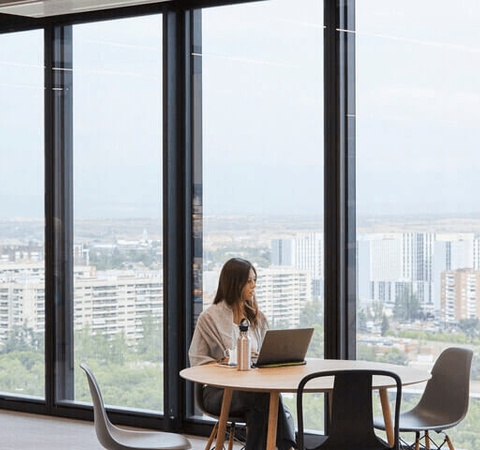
x=223, y=419
x=387, y=416
x=272, y=421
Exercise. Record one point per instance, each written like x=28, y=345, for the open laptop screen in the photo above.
x=284, y=347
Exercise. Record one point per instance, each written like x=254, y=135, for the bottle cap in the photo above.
x=244, y=324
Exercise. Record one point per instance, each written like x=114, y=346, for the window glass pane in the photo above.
x=262, y=149
x=22, y=224
x=417, y=180
x=118, y=215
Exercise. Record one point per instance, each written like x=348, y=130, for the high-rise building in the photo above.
x=460, y=295
x=282, y=252
x=282, y=293
x=393, y=262
x=302, y=251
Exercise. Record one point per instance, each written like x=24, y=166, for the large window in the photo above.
x=262, y=149
x=258, y=181
x=22, y=253
x=118, y=281
x=417, y=179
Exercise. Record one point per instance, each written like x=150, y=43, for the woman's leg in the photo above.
x=254, y=407
x=285, y=428
x=250, y=405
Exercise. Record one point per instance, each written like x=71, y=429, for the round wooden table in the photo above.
x=276, y=380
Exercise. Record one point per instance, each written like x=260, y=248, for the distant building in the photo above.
x=282, y=252
x=282, y=293
x=114, y=302
x=107, y=302
x=389, y=263
x=303, y=251
x=460, y=297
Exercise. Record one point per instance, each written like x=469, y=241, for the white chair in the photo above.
x=114, y=438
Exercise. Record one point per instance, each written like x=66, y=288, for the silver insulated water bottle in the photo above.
x=244, y=360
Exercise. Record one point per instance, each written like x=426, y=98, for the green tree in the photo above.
x=407, y=306
x=151, y=344
x=22, y=372
x=394, y=356
x=475, y=371
x=377, y=311
x=366, y=352
x=362, y=321
x=471, y=328
x=385, y=326
x=22, y=338
x=311, y=314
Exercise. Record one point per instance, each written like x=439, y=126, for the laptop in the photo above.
x=286, y=347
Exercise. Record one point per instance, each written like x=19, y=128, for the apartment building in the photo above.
x=106, y=302
x=460, y=295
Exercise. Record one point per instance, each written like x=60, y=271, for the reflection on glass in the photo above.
x=262, y=150
x=22, y=252
x=118, y=284
x=417, y=164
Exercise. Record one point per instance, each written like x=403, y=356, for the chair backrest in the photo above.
x=103, y=425
x=446, y=394
x=198, y=388
x=351, y=419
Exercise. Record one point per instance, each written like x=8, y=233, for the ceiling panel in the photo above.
x=47, y=8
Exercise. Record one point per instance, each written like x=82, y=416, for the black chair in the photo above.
x=444, y=402
x=232, y=420
x=350, y=425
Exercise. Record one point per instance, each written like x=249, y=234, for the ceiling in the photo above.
x=48, y=8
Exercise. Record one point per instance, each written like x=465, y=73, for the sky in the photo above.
x=417, y=108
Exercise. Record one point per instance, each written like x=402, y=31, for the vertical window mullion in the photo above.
x=340, y=246
x=176, y=209
x=58, y=210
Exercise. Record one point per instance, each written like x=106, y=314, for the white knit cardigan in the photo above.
x=214, y=333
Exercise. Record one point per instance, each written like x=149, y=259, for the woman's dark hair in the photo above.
x=233, y=278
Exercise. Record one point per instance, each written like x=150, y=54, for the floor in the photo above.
x=20, y=431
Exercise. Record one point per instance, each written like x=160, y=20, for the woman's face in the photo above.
x=248, y=290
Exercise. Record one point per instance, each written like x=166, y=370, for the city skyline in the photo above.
x=387, y=261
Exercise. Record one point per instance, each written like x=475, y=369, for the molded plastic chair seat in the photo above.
x=424, y=420
x=351, y=414
x=115, y=438
x=444, y=402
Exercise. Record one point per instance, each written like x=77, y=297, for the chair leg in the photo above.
x=449, y=443
x=417, y=440
x=212, y=436
x=427, y=440
x=427, y=445
x=231, y=436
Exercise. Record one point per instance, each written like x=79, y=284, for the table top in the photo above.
x=286, y=379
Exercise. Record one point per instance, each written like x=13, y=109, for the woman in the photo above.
x=215, y=334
